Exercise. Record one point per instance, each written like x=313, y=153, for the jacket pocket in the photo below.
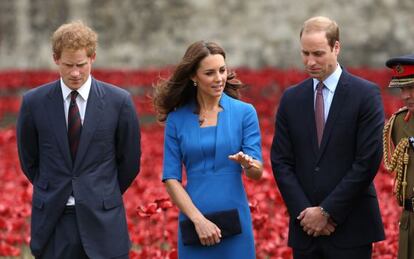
x=42, y=184
x=103, y=134
x=112, y=201
x=37, y=203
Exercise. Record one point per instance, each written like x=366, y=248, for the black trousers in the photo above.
x=323, y=249
x=65, y=242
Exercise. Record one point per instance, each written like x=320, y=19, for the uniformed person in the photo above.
x=399, y=150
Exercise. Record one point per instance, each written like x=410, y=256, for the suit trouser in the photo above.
x=65, y=242
x=323, y=249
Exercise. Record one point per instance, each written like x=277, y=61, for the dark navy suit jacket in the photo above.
x=107, y=161
x=337, y=176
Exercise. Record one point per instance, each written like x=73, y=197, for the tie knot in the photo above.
x=73, y=95
x=319, y=86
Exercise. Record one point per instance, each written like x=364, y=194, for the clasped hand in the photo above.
x=314, y=223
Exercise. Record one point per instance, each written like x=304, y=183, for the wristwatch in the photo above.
x=324, y=212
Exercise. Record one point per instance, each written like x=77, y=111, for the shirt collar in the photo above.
x=331, y=81
x=83, y=90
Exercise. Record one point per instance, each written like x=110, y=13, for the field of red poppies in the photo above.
x=151, y=215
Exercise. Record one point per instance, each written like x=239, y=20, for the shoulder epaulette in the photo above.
x=401, y=110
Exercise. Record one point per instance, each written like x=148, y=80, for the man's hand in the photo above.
x=314, y=223
x=327, y=230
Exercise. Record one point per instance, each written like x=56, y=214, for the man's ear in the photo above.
x=337, y=47
x=55, y=59
x=93, y=57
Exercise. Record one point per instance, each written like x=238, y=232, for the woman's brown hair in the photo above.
x=178, y=89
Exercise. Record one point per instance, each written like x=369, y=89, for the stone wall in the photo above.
x=155, y=33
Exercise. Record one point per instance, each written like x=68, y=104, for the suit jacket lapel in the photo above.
x=223, y=136
x=56, y=112
x=340, y=96
x=93, y=115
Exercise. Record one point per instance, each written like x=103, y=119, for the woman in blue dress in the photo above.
x=214, y=135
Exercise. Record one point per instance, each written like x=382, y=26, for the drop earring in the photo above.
x=194, y=83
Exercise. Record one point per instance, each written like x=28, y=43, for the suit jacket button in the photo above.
x=317, y=169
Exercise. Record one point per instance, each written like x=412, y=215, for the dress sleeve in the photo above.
x=251, y=142
x=172, y=162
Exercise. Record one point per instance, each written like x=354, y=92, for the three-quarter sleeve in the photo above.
x=172, y=162
x=251, y=142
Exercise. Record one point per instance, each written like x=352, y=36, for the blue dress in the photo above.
x=214, y=182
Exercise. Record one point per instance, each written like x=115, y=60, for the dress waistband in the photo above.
x=208, y=173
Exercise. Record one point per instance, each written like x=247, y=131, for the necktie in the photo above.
x=74, y=125
x=319, y=112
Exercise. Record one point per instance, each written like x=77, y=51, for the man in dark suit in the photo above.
x=326, y=152
x=79, y=145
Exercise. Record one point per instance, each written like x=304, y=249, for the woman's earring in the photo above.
x=194, y=83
